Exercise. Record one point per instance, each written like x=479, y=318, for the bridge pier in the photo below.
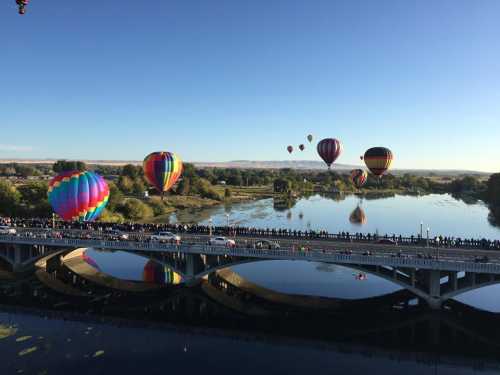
x=194, y=265
x=434, y=280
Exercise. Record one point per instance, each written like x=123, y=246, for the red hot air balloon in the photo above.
x=289, y=149
x=359, y=177
x=329, y=149
x=302, y=147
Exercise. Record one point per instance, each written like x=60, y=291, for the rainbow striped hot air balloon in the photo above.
x=79, y=196
x=162, y=170
x=156, y=273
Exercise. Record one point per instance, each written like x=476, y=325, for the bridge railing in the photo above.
x=380, y=258
x=450, y=243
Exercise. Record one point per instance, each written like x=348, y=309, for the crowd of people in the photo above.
x=111, y=231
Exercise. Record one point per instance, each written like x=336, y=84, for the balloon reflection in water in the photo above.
x=157, y=273
x=358, y=216
x=91, y=262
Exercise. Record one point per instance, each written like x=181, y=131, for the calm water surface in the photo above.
x=400, y=214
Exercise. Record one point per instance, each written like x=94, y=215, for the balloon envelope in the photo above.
x=302, y=147
x=156, y=273
x=358, y=216
x=359, y=177
x=378, y=160
x=290, y=149
x=310, y=138
x=329, y=149
x=162, y=170
x=76, y=195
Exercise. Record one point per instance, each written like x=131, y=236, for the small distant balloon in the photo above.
x=21, y=4
x=378, y=160
x=329, y=150
x=310, y=138
x=302, y=147
x=78, y=196
x=359, y=177
x=289, y=149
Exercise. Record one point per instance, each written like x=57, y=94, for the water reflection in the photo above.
x=399, y=214
x=358, y=216
x=320, y=304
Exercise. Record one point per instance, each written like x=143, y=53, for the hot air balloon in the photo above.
x=156, y=273
x=310, y=138
x=358, y=216
x=329, y=149
x=91, y=262
x=76, y=195
x=302, y=147
x=162, y=170
x=289, y=149
x=359, y=177
x=22, y=6
x=378, y=160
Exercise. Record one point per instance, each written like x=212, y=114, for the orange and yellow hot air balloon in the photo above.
x=378, y=160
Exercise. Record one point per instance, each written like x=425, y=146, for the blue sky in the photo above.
x=218, y=80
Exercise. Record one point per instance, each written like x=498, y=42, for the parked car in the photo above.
x=266, y=244
x=386, y=241
x=7, y=230
x=165, y=236
x=222, y=241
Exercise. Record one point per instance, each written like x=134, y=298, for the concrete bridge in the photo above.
x=448, y=274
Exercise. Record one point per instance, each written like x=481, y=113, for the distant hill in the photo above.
x=269, y=164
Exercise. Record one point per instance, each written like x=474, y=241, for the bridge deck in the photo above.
x=329, y=252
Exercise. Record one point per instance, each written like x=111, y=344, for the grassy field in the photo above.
x=240, y=193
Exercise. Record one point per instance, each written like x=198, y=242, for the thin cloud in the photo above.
x=15, y=148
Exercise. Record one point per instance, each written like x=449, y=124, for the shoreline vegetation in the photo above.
x=23, y=189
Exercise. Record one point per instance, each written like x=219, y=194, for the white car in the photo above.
x=221, y=241
x=165, y=236
x=7, y=230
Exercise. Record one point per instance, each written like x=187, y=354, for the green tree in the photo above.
x=134, y=209
x=115, y=197
x=138, y=187
x=132, y=171
x=25, y=170
x=33, y=193
x=282, y=185
x=108, y=216
x=493, y=189
x=65, y=165
x=158, y=206
x=184, y=187
x=125, y=184
x=10, y=198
